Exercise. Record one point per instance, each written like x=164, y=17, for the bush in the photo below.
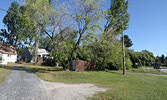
x=128, y=63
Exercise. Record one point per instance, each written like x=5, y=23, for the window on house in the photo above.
x=9, y=55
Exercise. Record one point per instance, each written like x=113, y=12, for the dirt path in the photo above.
x=22, y=84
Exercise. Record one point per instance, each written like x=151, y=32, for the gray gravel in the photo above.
x=22, y=84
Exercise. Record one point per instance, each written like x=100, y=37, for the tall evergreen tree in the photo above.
x=127, y=41
x=162, y=59
x=11, y=22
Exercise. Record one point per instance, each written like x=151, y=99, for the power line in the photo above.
x=3, y=9
x=7, y=11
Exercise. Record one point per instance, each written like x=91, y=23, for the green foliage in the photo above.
x=62, y=52
x=85, y=19
x=143, y=58
x=45, y=43
x=18, y=26
x=106, y=54
x=117, y=17
x=148, y=58
x=11, y=22
x=117, y=21
x=61, y=49
x=128, y=63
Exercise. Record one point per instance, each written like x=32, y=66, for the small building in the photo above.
x=8, y=53
x=79, y=65
x=28, y=54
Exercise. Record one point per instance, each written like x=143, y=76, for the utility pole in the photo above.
x=123, y=51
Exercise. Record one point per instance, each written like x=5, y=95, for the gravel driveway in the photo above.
x=22, y=84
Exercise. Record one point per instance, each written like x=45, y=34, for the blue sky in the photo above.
x=148, y=24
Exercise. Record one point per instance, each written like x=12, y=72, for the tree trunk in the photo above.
x=123, y=51
x=37, y=46
x=15, y=45
x=36, y=52
x=71, y=58
x=72, y=53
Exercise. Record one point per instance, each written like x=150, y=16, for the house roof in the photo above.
x=42, y=52
x=6, y=48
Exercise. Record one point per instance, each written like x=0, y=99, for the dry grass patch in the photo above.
x=4, y=71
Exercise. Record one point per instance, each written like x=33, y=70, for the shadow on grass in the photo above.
x=44, y=70
x=115, y=72
x=41, y=69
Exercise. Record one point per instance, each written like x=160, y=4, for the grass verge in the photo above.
x=4, y=71
x=148, y=71
x=41, y=69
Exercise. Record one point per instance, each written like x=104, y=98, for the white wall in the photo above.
x=10, y=58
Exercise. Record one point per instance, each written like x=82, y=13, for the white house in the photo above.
x=28, y=54
x=8, y=53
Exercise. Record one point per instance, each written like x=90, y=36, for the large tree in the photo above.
x=11, y=21
x=117, y=21
x=37, y=11
x=143, y=58
x=86, y=15
x=18, y=27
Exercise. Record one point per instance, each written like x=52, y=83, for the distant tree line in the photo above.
x=143, y=58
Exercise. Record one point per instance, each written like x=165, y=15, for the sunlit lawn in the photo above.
x=129, y=87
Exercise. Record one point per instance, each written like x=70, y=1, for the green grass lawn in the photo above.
x=129, y=87
x=4, y=71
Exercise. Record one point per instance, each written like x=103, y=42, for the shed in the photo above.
x=79, y=65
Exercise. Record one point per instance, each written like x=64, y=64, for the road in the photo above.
x=163, y=69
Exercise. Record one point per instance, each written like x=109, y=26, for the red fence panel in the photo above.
x=84, y=65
